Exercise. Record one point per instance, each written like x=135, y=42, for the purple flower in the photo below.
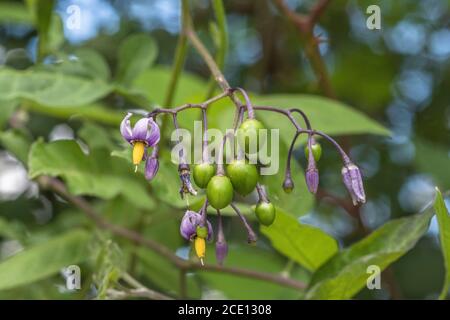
x=145, y=130
x=143, y=135
x=353, y=182
x=188, y=227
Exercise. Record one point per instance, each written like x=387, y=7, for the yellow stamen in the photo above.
x=138, y=152
x=200, y=248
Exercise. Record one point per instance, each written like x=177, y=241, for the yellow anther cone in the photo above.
x=138, y=152
x=200, y=248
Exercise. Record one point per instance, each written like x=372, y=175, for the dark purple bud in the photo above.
x=145, y=130
x=288, y=184
x=185, y=177
x=189, y=223
x=353, y=182
x=151, y=168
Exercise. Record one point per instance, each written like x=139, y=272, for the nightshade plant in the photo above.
x=240, y=176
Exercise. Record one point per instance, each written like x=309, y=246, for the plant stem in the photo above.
x=59, y=188
x=219, y=12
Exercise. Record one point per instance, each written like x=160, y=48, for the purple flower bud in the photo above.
x=189, y=223
x=312, y=173
x=151, y=167
x=221, y=251
x=312, y=179
x=145, y=130
x=353, y=182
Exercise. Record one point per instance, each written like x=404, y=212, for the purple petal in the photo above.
x=353, y=182
x=188, y=226
x=153, y=135
x=210, y=231
x=125, y=128
x=151, y=168
x=140, y=130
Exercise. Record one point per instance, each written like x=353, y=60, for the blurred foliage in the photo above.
x=63, y=94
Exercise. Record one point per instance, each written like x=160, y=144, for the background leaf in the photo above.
x=307, y=245
x=346, y=273
x=443, y=219
x=97, y=174
x=136, y=54
x=44, y=259
x=50, y=89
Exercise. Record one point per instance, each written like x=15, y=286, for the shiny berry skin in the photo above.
x=244, y=176
x=249, y=130
x=265, y=212
x=219, y=192
x=316, y=149
x=202, y=173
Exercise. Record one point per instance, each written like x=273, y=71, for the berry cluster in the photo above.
x=239, y=176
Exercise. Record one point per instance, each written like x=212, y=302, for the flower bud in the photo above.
x=353, y=182
x=151, y=165
x=288, y=184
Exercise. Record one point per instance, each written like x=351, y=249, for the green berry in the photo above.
x=265, y=212
x=316, y=149
x=248, y=131
x=202, y=173
x=219, y=192
x=244, y=176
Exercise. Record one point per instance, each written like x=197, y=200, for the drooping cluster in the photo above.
x=240, y=176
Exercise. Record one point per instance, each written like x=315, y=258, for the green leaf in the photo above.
x=97, y=174
x=6, y=110
x=443, y=219
x=252, y=258
x=307, y=245
x=136, y=54
x=50, y=89
x=17, y=143
x=346, y=273
x=95, y=136
x=13, y=12
x=44, y=259
x=96, y=112
x=329, y=116
x=153, y=84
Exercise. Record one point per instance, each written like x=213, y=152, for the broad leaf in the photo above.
x=443, y=218
x=50, y=89
x=17, y=143
x=6, y=110
x=97, y=174
x=346, y=273
x=13, y=12
x=432, y=158
x=329, y=116
x=44, y=259
x=307, y=245
x=136, y=54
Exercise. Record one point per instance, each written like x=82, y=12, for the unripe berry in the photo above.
x=202, y=173
x=219, y=192
x=316, y=150
x=244, y=176
x=265, y=212
x=250, y=131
